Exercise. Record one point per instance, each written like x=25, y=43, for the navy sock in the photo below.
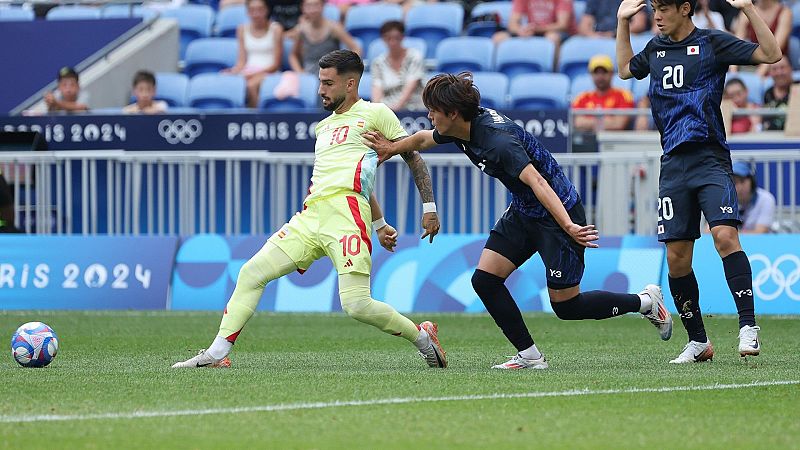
x=740, y=282
x=686, y=295
x=596, y=305
x=502, y=307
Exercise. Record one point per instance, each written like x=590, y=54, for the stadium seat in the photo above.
x=216, y=91
x=434, y=22
x=364, y=21
x=755, y=86
x=229, y=19
x=210, y=55
x=584, y=82
x=578, y=8
x=365, y=86
x=493, y=87
x=120, y=11
x=640, y=88
x=576, y=51
x=639, y=41
x=306, y=100
x=378, y=47
x=194, y=21
x=488, y=28
x=471, y=53
x=331, y=12
x=172, y=88
x=525, y=55
x=794, y=52
x=16, y=14
x=288, y=46
x=539, y=91
x=73, y=13
x=796, y=20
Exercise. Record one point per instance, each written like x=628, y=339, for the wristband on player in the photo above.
x=429, y=207
x=378, y=224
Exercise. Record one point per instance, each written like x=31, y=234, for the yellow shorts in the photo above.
x=339, y=226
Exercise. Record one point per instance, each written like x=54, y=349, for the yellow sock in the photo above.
x=354, y=294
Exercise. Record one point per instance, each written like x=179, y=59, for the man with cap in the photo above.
x=68, y=96
x=605, y=96
x=756, y=205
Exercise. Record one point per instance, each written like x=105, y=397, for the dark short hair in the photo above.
x=67, y=72
x=738, y=81
x=344, y=61
x=447, y=93
x=144, y=76
x=677, y=3
x=393, y=25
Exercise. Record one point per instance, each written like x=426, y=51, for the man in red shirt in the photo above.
x=604, y=96
x=553, y=19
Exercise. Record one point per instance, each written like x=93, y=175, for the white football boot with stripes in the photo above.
x=659, y=315
x=518, y=362
x=203, y=359
x=749, y=342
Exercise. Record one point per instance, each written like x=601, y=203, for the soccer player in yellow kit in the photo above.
x=334, y=222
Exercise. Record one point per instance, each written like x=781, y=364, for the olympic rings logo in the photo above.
x=780, y=275
x=180, y=131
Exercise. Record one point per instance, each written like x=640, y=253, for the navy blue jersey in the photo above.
x=686, y=83
x=501, y=149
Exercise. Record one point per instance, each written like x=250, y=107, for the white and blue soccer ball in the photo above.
x=34, y=344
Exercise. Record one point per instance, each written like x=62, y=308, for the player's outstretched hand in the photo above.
x=387, y=236
x=430, y=223
x=739, y=4
x=584, y=235
x=629, y=8
x=376, y=141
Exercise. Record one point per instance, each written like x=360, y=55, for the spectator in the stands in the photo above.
x=344, y=5
x=705, y=18
x=777, y=96
x=553, y=19
x=600, y=19
x=643, y=122
x=779, y=19
x=260, y=48
x=604, y=96
x=397, y=75
x=736, y=91
x=316, y=37
x=68, y=96
x=756, y=205
x=6, y=207
x=144, y=89
x=729, y=12
x=285, y=12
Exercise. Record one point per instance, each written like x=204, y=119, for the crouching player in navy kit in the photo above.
x=545, y=216
x=687, y=68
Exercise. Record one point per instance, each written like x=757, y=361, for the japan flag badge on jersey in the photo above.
x=693, y=50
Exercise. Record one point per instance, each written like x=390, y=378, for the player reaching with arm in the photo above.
x=545, y=216
x=337, y=211
x=687, y=68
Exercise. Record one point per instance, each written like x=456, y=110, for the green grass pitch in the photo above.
x=111, y=386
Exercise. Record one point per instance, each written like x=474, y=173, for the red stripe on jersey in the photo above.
x=353, y=203
x=357, y=177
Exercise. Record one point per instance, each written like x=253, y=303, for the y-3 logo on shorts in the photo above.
x=555, y=273
x=744, y=292
x=726, y=209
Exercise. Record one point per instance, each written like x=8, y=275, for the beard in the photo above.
x=334, y=104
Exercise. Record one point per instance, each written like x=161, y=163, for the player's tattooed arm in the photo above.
x=422, y=178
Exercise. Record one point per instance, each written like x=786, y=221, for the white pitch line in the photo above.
x=384, y=401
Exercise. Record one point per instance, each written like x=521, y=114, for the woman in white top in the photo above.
x=260, y=48
x=705, y=18
x=397, y=74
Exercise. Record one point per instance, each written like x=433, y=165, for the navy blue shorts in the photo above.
x=695, y=178
x=517, y=237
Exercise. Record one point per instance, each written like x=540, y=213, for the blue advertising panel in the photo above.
x=418, y=276
x=74, y=272
x=775, y=262
x=285, y=132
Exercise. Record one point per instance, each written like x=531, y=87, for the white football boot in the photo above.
x=203, y=360
x=695, y=352
x=433, y=354
x=659, y=316
x=749, y=342
x=518, y=362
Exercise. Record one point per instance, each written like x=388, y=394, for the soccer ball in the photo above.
x=34, y=344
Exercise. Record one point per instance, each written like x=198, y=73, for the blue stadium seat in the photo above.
x=584, y=82
x=434, y=22
x=16, y=14
x=578, y=8
x=796, y=19
x=754, y=83
x=639, y=41
x=640, y=88
x=525, y=55
x=306, y=100
x=794, y=52
x=365, y=86
x=576, y=51
x=539, y=91
x=73, y=13
x=378, y=47
x=365, y=21
x=216, y=91
x=471, y=53
x=210, y=55
x=288, y=46
x=194, y=21
x=172, y=88
x=493, y=87
x=120, y=11
x=331, y=12
x=230, y=18
x=488, y=28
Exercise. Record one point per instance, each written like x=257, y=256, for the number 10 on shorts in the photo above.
x=351, y=244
